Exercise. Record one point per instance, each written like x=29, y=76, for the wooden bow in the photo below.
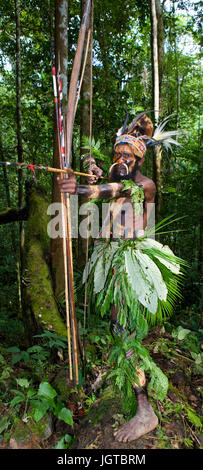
x=66, y=217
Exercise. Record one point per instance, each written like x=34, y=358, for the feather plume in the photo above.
x=126, y=130
x=132, y=124
x=164, y=137
x=137, y=118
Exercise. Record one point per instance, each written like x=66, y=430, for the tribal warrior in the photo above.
x=134, y=276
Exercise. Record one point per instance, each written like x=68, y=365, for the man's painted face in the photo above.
x=124, y=164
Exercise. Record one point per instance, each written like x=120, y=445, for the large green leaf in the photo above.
x=163, y=253
x=66, y=416
x=47, y=391
x=103, y=265
x=139, y=283
x=40, y=408
x=99, y=276
x=152, y=273
x=23, y=383
x=17, y=400
x=4, y=423
x=98, y=249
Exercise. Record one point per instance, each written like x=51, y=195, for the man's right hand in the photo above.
x=94, y=170
x=69, y=184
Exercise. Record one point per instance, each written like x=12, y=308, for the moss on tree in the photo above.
x=38, y=299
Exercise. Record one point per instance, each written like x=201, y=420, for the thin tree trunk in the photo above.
x=19, y=128
x=157, y=65
x=178, y=87
x=160, y=42
x=61, y=54
x=155, y=60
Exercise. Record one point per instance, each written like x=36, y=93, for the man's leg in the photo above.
x=145, y=419
x=143, y=422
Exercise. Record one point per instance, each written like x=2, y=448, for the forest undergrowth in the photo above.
x=40, y=407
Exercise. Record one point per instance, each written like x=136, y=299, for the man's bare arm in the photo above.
x=101, y=191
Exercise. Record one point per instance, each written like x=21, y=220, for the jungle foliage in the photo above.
x=122, y=82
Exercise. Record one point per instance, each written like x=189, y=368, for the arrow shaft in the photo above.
x=47, y=168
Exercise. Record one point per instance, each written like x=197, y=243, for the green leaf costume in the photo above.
x=142, y=278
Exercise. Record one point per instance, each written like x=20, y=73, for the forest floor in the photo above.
x=180, y=414
x=178, y=423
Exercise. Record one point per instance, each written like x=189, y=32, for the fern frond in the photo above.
x=95, y=148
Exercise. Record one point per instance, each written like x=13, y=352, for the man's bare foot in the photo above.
x=143, y=422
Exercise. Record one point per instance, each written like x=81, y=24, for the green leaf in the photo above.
x=46, y=390
x=40, y=408
x=152, y=273
x=163, y=253
x=169, y=189
x=19, y=393
x=4, y=424
x=25, y=356
x=194, y=419
x=13, y=349
x=63, y=442
x=2, y=360
x=182, y=333
x=23, y=383
x=99, y=276
x=6, y=373
x=35, y=349
x=139, y=283
x=17, y=400
x=137, y=195
x=60, y=444
x=16, y=358
x=31, y=393
x=98, y=249
x=66, y=416
x=197, y=357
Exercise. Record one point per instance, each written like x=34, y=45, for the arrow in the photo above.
x=30, y=166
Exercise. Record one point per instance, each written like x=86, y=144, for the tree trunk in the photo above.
x=157, y=42
x=39, y=304
x=178, y=82
x=160, y=42
x=19, y=127
x=61, y=53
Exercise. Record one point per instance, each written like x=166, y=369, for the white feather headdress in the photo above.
x=161, y=136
